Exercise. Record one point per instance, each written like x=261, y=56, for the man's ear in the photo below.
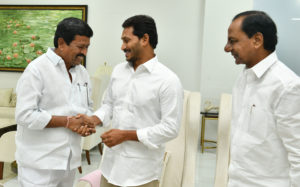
x=145, y=39
x=258, y=40
x=61, y=43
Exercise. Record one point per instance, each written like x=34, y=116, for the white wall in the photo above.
x=218, y=69
x=191, y=40
x=288, y=27
x=179, y=30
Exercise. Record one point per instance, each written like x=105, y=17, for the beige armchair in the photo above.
x=8, y=149
x=99, y=83
x=7, y=104
x=223, y=145
x=180, y=167
x=180, y=156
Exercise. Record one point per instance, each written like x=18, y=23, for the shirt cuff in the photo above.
x=142, y=135
x=42, y=121
x=101, y=115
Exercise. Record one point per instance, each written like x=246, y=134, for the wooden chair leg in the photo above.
x=1, y=170
x=100, y=146
x=80, y=169
x=87, y=153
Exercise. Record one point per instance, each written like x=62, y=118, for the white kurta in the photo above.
x=265, y=144
x=148, y=100
x=43, y=90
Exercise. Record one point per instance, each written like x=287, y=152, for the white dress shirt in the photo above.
x=44, y=90
x=265, y=144
x=148, y=100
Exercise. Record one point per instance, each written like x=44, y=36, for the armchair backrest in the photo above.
x=191, y=139
x=181, y=152
x=223, y=143
x=8, y=147
x=100, y=82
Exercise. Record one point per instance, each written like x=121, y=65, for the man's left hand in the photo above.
x=113, y=137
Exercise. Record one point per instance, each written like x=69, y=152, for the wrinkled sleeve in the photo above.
x=104, y=113
x=171, y=101
x=287, y=114
x=29, y=92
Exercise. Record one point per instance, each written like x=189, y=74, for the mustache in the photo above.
x=126, y=50
x=80, y=55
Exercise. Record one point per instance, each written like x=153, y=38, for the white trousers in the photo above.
x=32, y=177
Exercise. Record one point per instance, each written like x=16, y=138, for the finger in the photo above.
x=104, y=135
x=92, y=130
x=84, y=130
x=107, y=144
x=87, y=133
x=80, y=130
x=78, y=116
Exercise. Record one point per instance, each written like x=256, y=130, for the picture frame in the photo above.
x=28, y=30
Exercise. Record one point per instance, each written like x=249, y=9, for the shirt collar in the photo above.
x=149, y=65
x=261, y=67
x=54, y=58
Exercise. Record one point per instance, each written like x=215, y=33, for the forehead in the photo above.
x=81, y=39
x=127, y=32
x=235, y=26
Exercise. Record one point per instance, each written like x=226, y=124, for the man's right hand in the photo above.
x=91, y=121
x=77, y=125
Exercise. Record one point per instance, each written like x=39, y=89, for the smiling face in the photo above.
x=74, y=53
x=241, y=47
x=131, y=46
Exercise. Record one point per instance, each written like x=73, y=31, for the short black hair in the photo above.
x=258, y=21
x=143, y=24
x=68, y=28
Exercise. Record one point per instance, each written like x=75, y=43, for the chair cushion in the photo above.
x=93, y=178
x=7, y=112
x=5, y=95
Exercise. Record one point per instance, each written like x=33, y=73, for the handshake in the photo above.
x=82, y=124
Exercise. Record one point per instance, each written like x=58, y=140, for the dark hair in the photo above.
x=259, y=21
x=143, y=24
x=69, y=28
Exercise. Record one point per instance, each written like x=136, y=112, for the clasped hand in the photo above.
x=82, y=124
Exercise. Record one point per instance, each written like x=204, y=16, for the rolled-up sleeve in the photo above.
x=171, y=101
x=287, y=114
x=29, y=92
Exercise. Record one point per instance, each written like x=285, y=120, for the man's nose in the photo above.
x=84, y=51
x=123, y=46
x=227, y=48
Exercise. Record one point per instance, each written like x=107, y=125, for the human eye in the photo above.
x=125, y=40
x=82, y=47
x=232, y=41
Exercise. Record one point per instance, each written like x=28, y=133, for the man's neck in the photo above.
x=259, y=57
x=145, y=58
x=68, y=66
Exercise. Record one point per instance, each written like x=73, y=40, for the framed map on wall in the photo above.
x=28, y=30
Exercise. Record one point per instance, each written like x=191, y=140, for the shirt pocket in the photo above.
x=82, y=95
x=253, y=142
x=253, y=130
x=260, y=123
